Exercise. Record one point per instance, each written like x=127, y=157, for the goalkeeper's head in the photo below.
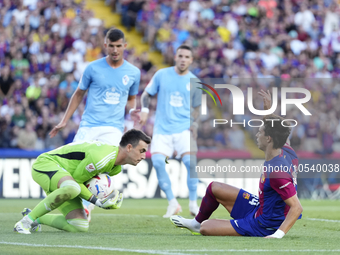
x=133, y=146
x=272, y=134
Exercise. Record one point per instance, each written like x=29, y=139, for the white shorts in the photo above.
x=104, y=134
x=167, y=144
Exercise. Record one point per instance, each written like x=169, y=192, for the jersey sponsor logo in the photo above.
x=125, y=80
x=176, y=99
x=90, y=167
x=111, y=96
x=283, y=186
x=246, y=195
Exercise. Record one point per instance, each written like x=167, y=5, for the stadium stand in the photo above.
x=45, y=46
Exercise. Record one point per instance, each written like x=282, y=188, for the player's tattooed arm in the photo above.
x=194, y=124
x=145, y=101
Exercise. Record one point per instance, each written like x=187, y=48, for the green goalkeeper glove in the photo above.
x=113, y=201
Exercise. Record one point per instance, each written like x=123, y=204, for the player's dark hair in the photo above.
x=276, y=130
x=115, y=34
x=184, y=47
x=133, y=136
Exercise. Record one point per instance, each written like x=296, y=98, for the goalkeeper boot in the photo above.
x=173, y=209
x=88, y=211
x=35, y=227
x=23, y=226
x=192, y=225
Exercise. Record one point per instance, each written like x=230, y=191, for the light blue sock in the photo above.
x=86, y=203
x=158, y=161
x=192, y=182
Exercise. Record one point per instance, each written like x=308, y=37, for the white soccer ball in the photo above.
x=100, y=185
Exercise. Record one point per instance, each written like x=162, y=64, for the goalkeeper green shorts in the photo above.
x=47, y=173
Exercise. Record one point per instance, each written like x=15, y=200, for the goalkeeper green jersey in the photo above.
x=84, y=160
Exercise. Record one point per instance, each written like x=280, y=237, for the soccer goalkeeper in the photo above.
x=62, y=173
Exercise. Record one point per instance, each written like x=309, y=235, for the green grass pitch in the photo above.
x=138, y=228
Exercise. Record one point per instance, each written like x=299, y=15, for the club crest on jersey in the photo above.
x=125, y=79
x=90, y=167
x=263, y=178
x=246, y=195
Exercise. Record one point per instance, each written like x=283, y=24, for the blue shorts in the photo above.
x=243, y=214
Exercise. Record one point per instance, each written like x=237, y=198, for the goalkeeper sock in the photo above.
x=158, y=161
x=86, y=203
x=191, y=182
x=58, y=221
x=208, y=206
x=68, y=190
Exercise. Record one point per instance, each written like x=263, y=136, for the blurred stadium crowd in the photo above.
x=46, y=45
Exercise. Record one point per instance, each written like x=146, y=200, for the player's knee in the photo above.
x=79, y=225
x=71, y=189
x=192, y=184
x=204, y=230
x=214, y=187
x=158, y=161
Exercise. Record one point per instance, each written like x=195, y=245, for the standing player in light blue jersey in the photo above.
x=174, y=124
x=112, y=85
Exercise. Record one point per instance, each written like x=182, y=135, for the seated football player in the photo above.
x=273, y=212
x=62, y=173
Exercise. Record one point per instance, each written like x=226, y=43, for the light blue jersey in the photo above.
x=175, y=99
x=109, y=89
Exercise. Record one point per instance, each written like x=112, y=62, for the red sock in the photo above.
x=208, y=205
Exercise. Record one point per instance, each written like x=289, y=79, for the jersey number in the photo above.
x=254, y=201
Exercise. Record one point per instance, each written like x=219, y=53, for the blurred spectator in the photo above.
x=27, y=137
x=304, y=18
x=295, y=140
x=69, y=85
x=236, y=138
x=18, y=118
x=268, y=6
x=34, y=90
x=131, y=10
x=19, y=63
x=20, y=14
x=6, y=83
x=221, y=139
x=205, y=138
x=326, y=140
x=312, y=135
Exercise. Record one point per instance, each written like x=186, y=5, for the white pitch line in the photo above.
x=256, y=250
x=97, y=248
x=113, y=214
x=163, y=252
x=325, y=220
x=129, y=215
